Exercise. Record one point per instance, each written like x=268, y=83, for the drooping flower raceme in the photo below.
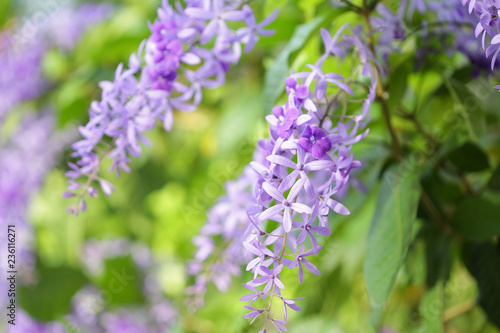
x=306, y=162
x=219, y=254
x=297, y=172
x=189, y=49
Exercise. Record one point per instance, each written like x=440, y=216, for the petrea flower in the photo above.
x=252, y=297
x=310, y=153
x=227, y=224
x=306, y=150
x=283, y=119
x=287, y=206
x=269, y=277
x=301, y=260
x=458, y=17
x=290, y=303
x=302, y=168
x=262, y=254
x=249, y=35
x=254, y=314
x=309, y=228
x=168, y=73
x=314, y=140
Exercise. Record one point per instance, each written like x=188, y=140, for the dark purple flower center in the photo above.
x=286, y=203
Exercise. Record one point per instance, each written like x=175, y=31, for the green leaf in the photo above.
x=432, y=308
x=477, y=219
x=469, y=107
x=51, y=297
x=279, y=69
x=494, y=183
x=121, y=282
x=398, y=83
x=469, y=158
x=437, y=254
x=483, y=262
x=440, y=190
x=270, y=6
x=391, y=230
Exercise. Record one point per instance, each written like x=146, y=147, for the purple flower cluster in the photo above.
x=19, y=181
x=488, y=26
x=189, y=49
x=29, y=142
x=68, y=25
x=21, y=77
x=390, y=26
x=284, y=198
x=89, y=309
x=301, y=167
x=219, y=255
x=446, y=21
x=454, y=20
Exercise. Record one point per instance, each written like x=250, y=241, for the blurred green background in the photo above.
x=162, y=204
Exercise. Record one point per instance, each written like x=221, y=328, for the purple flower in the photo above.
x=249, y=35
x=287, y=206
x=254, y=314
x=290, y=303
x=309, y=228
x=283, y=119
x=269, y=277
x=252, y=297
x=314, y=140
x=218, y=15
x=301, y=260
x=302, y=168
x=262, y=254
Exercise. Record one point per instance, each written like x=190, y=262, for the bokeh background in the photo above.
x=122, y=265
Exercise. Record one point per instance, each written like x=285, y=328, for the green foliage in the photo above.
x=437, y=254
x=483, y=262
x=432, y=308
x=279, y=69
x=391, y=231
x=50, y=298
x=477, y=219
x=121, y=282
x=494, y=182
x=469, y=158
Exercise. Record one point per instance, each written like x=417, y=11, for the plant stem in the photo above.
x=382, y=94
x=381, y=97
x=458, y=310
x=282, y=252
